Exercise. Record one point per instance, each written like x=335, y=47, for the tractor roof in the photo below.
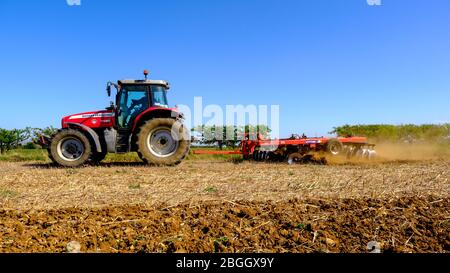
x=154, y=82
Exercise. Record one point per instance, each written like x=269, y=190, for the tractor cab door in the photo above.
x=132, y=100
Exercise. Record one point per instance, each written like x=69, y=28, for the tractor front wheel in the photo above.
x=163, y=141
x=70, y=148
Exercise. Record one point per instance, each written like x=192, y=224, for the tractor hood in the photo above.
x=93, y=119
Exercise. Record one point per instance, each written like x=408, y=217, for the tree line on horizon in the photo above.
x=407, y=133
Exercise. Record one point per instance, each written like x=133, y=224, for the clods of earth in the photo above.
x=404, y=224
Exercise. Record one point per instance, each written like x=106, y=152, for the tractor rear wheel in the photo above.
x=163, y=141
x=70, y=148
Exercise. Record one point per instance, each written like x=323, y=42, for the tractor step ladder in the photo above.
x=122, y=144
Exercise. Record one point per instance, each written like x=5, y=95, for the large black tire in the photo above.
x=335, y=147
x=98, y=157
x=156, y=144
x=70, y=148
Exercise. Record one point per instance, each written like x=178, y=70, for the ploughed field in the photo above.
x=221, y=206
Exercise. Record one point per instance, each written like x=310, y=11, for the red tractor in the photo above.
x=139, y=121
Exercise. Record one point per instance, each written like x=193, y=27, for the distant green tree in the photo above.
x=15, y=138
x=10, y=139
x=30, y=146
x=47, y=131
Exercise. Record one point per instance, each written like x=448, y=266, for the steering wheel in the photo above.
x=133, y=105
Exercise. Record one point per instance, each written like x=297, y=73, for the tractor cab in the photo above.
x=136, y=102
x=135, y=97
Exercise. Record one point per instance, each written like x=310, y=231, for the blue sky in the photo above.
x=325, y=62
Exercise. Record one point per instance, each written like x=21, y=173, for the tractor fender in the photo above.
x=156, y=112
x=91, y=132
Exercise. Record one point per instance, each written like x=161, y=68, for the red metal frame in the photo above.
x=93, y=119
x=248, y=146
x=212, y=152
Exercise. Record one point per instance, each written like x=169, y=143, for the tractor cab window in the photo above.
x=159, y=97
x=133, y=101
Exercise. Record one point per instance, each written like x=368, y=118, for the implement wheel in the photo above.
x=295, y=158
x=335, y=147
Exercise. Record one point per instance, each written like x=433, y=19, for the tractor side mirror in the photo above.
x=111, y=106
x=108, y=90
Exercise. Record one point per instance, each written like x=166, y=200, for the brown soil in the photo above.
x=407, y=224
